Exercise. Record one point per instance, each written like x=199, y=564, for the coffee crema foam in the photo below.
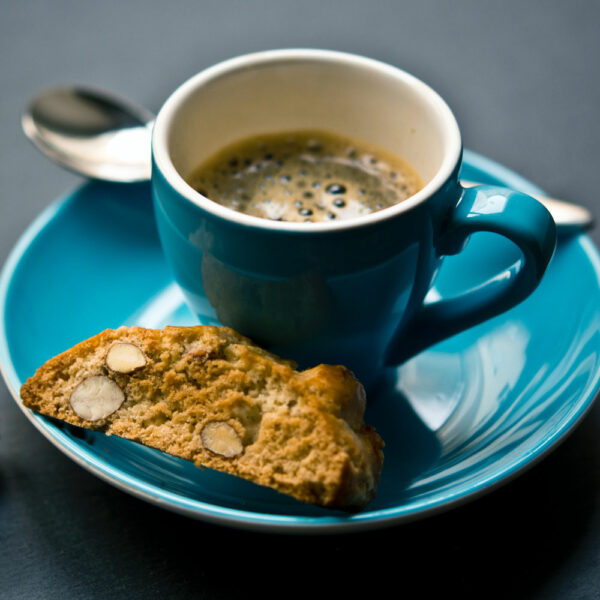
x=305, y=176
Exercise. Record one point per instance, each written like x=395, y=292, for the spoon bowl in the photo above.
x=91, y=132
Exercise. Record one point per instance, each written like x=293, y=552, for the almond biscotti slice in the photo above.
x=209, y=395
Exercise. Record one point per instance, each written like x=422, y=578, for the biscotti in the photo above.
x=209, y=395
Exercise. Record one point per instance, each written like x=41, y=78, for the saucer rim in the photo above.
x=267, y=522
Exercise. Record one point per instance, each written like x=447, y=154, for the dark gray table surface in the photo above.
x=523, y=80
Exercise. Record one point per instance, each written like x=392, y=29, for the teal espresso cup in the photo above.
x=351, y=292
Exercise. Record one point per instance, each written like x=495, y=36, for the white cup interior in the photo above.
x=283, y=90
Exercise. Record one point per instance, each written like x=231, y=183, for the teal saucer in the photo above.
x=458, y=420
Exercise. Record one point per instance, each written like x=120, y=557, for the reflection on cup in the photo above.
x=272, y=312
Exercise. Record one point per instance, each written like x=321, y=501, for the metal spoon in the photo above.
x=91, y=132
x=103, y=136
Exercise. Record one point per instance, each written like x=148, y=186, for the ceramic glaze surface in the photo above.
x=458, y=419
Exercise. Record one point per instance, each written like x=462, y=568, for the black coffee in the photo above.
x=305, y=176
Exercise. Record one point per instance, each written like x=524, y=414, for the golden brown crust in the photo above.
x=302, y=432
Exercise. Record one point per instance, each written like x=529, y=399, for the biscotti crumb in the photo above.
x=209, y=395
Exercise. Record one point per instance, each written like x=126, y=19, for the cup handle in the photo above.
x=516, y=216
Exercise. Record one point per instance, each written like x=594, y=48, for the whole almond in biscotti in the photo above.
x=96, y=398
x=124, y=357
x=209, y=395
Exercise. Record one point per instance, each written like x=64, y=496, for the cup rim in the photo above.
x=162, y=161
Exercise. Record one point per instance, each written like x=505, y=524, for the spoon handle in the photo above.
x=567, y=216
